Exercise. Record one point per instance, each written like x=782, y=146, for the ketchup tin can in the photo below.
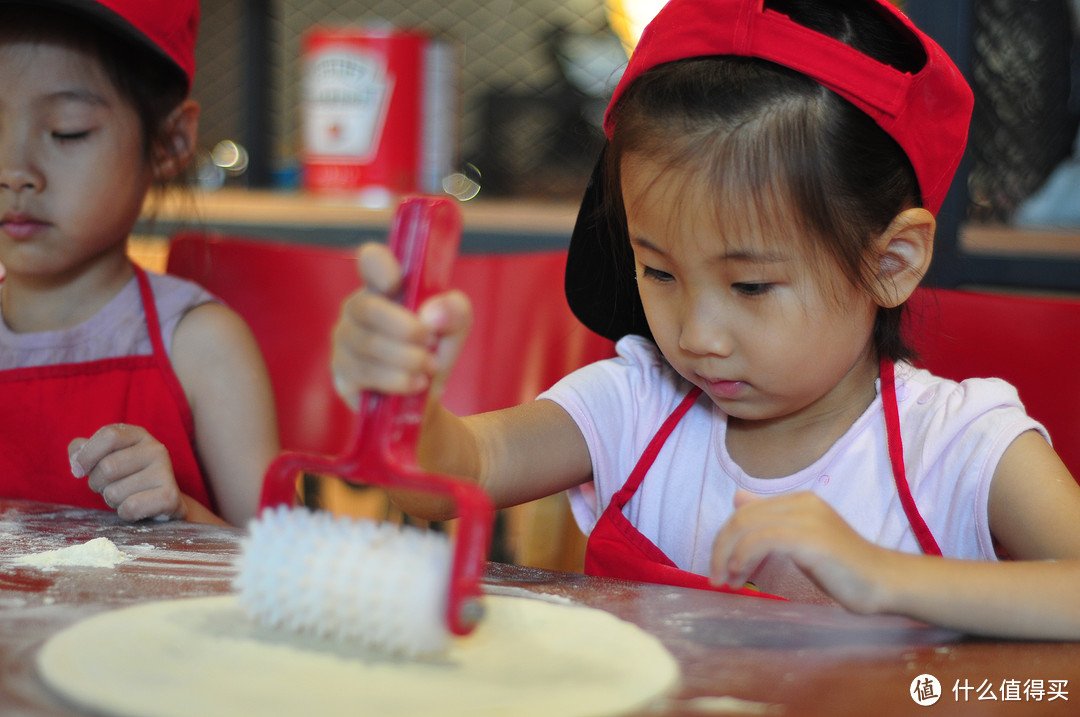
x=367, y=113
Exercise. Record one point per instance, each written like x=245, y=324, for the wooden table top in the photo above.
x=738, y=655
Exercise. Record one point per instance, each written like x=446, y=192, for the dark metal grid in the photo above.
x=1023, y=125
x=505, y=51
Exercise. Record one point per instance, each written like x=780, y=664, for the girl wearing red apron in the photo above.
x=617, y=549
x=46, y=406
x=89, y=121
x=762, y=209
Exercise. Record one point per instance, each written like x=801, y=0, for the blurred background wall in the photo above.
x=535, y=75
x=523, y=123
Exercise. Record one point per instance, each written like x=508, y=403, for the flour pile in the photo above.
x=96, y=553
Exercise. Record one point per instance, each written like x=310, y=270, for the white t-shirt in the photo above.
x=954, y=434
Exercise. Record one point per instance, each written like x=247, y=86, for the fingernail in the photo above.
x=76, y=468
x=432, y=316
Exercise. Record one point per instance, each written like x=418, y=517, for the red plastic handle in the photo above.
x=424, y=237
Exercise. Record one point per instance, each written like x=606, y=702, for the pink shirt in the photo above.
x=119, y=329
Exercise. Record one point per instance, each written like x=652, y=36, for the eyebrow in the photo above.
x=82, y=96
x=748, y=255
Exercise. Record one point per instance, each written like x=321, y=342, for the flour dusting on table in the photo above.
x=96, y=553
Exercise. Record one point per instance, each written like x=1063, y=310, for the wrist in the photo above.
x=901, y=582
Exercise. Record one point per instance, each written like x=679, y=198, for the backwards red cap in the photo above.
x=927, y=113
x=168, y=27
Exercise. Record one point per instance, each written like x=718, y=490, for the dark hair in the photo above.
x=775, y=141
x=153, y=85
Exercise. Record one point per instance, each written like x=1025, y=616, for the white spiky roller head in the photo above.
x=382, y=585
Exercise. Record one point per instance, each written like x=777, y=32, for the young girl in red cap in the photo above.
x=152, y=394
x=764, y=206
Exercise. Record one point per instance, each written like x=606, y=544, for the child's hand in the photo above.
x=380, y=345
x=804, y=529
x=131, y=470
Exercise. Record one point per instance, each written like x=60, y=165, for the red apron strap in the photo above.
x=153, y=325
x=896, y=458
x=621, y=498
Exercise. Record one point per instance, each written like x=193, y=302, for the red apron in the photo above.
x=617, y=549
x=42, y=408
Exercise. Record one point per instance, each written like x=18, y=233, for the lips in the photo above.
x=727, y=389
x=21, y=226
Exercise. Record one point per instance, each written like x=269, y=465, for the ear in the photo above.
x=904, y=250
x=179, y=141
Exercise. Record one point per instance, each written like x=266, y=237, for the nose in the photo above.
x=18, y=181
x=705, y=330
x=17, y=171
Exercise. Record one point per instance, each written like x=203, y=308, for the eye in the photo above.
x=655, y=274
x=747, y=288
x=70, y=136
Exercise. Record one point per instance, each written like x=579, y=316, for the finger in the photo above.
x=723, y=545
x=751, y=551
x=380, y=363
x=366, y=312
x=128, y=462
x=738, y=546
x=378, y=344
x=161, y=502
x=73, y=452
x=745, y=497
x=144, y=470
x=449, y=315
x=374, y=329
x=728, y=536
x=379, y=349
x=379, y=270
x=105, y=441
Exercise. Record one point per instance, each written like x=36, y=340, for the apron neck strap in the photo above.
x=896, y=458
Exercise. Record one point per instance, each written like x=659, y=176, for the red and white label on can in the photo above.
x=347, y=103
x=367, y=115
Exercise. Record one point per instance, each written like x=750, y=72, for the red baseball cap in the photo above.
x=168, y=27
x=927, y=112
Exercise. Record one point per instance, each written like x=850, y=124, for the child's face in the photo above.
x=72, y=171
x=762, y=327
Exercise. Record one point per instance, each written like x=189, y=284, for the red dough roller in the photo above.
x=398, y=589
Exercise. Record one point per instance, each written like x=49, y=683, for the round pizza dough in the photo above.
x=203, y=656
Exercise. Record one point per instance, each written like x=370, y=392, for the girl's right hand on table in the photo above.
x=380, y=345
x=131, y=470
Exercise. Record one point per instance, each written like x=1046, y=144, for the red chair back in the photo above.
x=524, y=337
x=1028, y=341
x=290, y=296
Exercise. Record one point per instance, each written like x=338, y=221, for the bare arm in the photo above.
x=223, y=373
x=1023, y=599
x=517, y=454
x=1034, y=512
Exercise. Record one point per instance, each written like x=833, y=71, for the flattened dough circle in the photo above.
x=203, y=656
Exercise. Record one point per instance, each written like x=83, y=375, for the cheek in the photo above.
x=659, y=304
x=662, y=312
x=843, y=337
x=813, y=334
